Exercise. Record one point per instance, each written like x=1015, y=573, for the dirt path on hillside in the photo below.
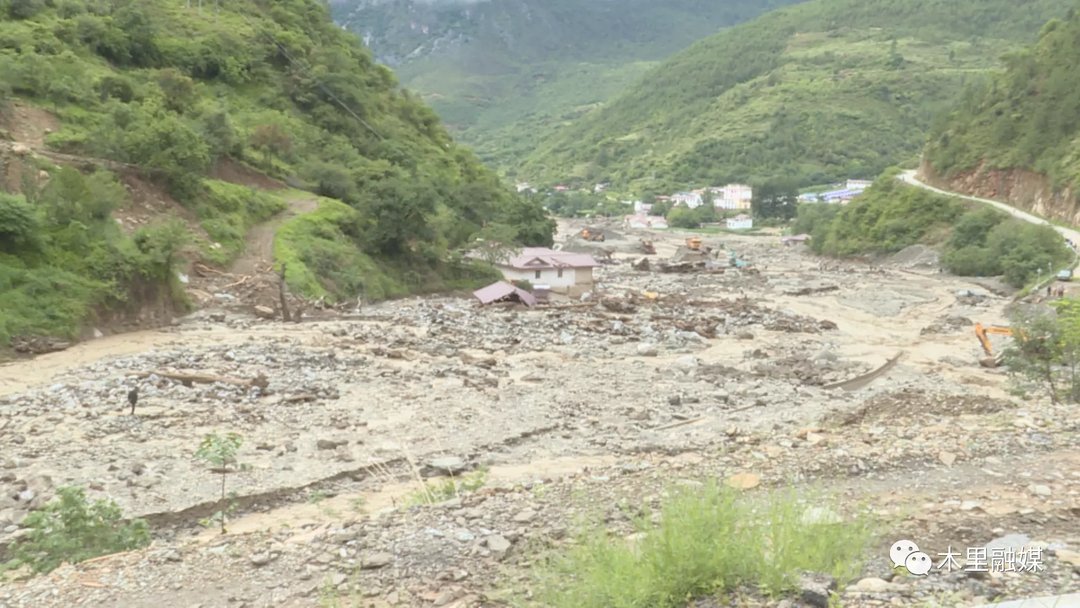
x=258, y=255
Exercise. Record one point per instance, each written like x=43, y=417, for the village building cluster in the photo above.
x=842, y=196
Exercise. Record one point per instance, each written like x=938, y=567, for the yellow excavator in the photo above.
x=693, y=243
x=982, y=333
x=592, y=235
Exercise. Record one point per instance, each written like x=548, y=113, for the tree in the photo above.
x=24, y=9
x=706, y=213
x=896, y=60
x=531, y=223
x=160, y=245
x=683, y=217
x=220, y=453
x=272, y=140
x=220, y=133
x=19, y=225
x=775, y=199
x=495, y=243
x=661, y=208
x=1046, y=349
x=179, y=90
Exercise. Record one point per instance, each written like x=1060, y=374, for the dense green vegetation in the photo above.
x=63, y=258
x=1028, y=117
x=174, y=89
x=819, y=91
x=501, y=72
x=1045, y=350
x=709, y=541
x=976, y=241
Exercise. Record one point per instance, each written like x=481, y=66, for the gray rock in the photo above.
x=261, y=559
x=172, y=555
x=329, y=444
x=687, y=362
x=816, y=589
x=1014, y=541
x=498, y=545
x=525, y=516
x=873, y=584
x=373, y=561
x=451, y=465
x=647, y=349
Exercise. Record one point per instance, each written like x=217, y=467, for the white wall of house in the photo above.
x=740, y=223
x=572, y=280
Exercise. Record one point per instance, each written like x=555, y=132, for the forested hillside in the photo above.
x=170, y=90
x=817, y=91
x=500, y=72
x=974, y=240
x=1026, y=119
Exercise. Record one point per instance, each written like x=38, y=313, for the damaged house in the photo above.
x=558, y=271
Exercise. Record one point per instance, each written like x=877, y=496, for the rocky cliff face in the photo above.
x=1022, y=188
x=403, y=31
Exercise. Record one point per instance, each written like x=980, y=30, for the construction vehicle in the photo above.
x=592, y=235
x=647, y=247
x=693, y=243
x=982, y=333
x=735, y=262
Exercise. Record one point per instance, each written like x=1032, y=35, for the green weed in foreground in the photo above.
x=72, y=529
x=435, y=492
x=711, y=540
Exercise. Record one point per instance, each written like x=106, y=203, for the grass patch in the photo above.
x=334, y=597
x=44, y=300
x=710, y=540
x=452, y=487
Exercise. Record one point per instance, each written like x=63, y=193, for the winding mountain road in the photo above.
x=911, y=178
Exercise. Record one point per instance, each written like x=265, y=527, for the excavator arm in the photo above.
x=981, y=332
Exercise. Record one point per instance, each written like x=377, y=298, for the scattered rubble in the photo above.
x=573, y=410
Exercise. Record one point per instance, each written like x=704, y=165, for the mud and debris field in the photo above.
x=859, y=378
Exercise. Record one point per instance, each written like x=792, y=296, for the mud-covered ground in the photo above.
x=573, y=409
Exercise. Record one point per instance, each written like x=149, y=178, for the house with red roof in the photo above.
x=558, y=271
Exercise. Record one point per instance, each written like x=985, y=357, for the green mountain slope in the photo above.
x=817, y=91
x=1026, y=120
x=168, y=91
x=502, y=71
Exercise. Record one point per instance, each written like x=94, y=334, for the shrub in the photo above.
x=18, y=224
x=72, y=529
x=709, y=540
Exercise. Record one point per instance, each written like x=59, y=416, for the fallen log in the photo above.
x=189, y=380
x=243, y=280
x=203, y=270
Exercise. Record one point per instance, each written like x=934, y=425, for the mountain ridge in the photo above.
x=505, y=70
x=819, y=91
x=1013, y=138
